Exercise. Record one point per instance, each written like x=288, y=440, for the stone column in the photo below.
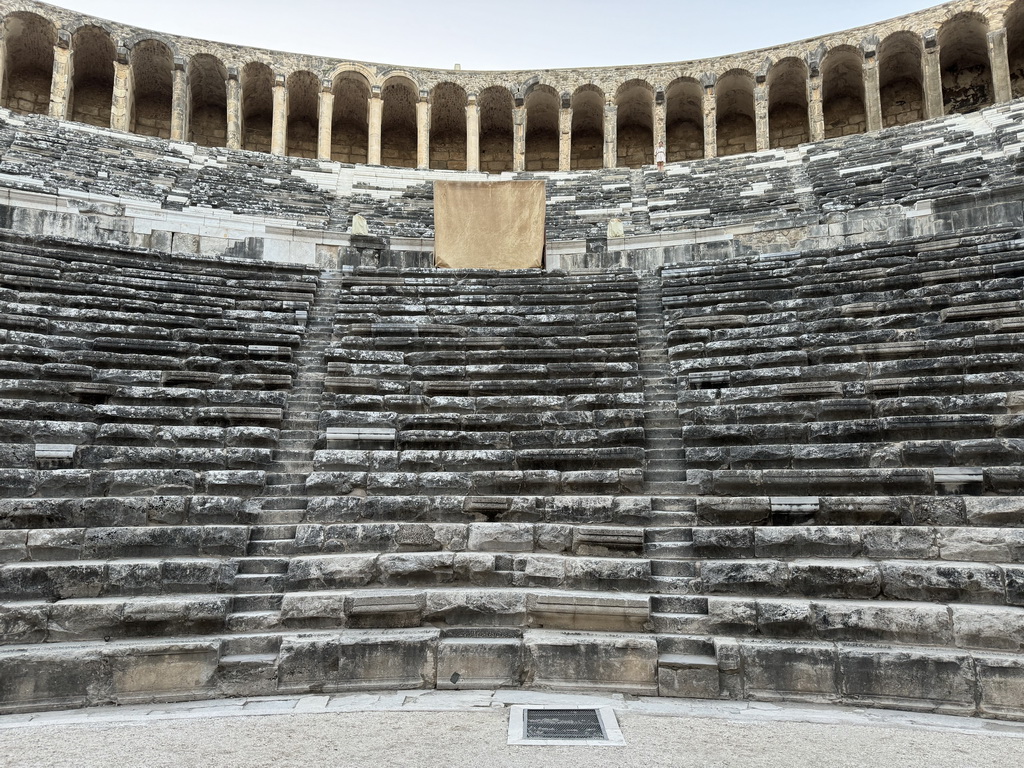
x=872, y=92
x=423, y=132
x=60, y=85
x=660, y=122
x=519, y=136
x=710, y=109
x=761, y=127
x=611, y=135
x=325, y=122
x=279, y=127
x=180, y=102
x=999, y=61
x=934, y=103
x=121, y=103
x=472, y=134
x=565, y=136
x=374, y=116
x=815, y=107
x=234, y=109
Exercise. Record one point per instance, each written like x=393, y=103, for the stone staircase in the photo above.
x=260, y=581
x=663, y=444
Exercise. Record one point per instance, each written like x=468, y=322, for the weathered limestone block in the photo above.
x=613, y=613
x=854, y=579
x=801, y=672
x=475, y=607
x=989, y=627
x=331, y=572
x=358, y=660
x=992, y=545
x=872, y=621
x=501, y=537
x=688, y=676
x=1000, y=682
x=466, y=663
x=601, y=662
x=197, y=575
x=944, y=582
x=24, y=622
x=415, y=569
x=725, y=577
x=779, y=618
x=930, y=681
x=906, y=543
x=790, y=542
x=141, y=674
x=730, y=543
x=47, y=678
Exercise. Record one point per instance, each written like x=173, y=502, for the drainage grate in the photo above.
x=563, y=724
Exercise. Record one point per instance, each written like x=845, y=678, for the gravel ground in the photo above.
x=476, y=738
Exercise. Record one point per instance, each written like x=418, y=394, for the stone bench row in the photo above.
x=981, y=627
x=111, y=457
x=972, y=372
x=132, y=511
x=496, y=356
x=179, y=377
x=914, y=580
x=151, y=347
x=997, y=480
x=156, y=415
x=986, y=392
x=596, y=456
x=553, y=423
x=693, y=357
x=411, y=341
x=486, y=305
x=958, y=455
x=496, y=404
x=491, y=482
x=454, y=387
x=32, y=431
x=65, y=483
x=114, y=395
x=126, y=355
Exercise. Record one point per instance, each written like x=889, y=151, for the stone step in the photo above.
x=259, y=582
x=679, y=623
x=255, y=565
x=287, y=516
x=283, y=489
x=271, y=548
x=283, y=503
x=667, y=550
x=251, y=621
x=257, y=602
x=670, y=585
x=672, y=533
x=285, y=478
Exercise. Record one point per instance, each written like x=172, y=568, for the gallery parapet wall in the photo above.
x=956, y=57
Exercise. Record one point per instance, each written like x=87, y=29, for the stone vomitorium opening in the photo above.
x=764, y=443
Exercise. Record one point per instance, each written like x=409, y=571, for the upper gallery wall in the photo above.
x=957, y=57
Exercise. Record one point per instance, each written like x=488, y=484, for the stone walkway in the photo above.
x=431, y=728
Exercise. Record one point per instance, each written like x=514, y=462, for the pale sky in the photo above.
x=520, y=34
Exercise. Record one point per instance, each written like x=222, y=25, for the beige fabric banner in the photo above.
x=489, y=224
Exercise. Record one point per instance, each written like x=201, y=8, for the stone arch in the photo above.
x=303, y=114
x=92, y=84
x=966, y=73
x=542, y=107
x=208, y=91
x=788, y=121
x=28, y=65
x=152, y=65
x=901, y=79
x=350, y=118
x=497, y=133
x=448, y=127
x=257, y=84
x=398, y=136
x=634, y=119
x=587, y=129
x=1014, y=24
x=684, y=120
x=842, y=92
x=737, y=128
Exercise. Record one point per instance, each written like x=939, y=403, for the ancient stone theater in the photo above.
x=322, y=376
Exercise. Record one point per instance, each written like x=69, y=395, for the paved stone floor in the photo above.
x=431, y=728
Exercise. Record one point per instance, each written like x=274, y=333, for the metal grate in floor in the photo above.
x=563, y=724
